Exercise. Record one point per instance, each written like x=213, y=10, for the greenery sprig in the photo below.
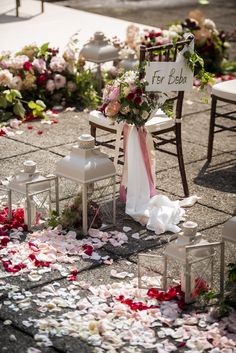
x=196, y=64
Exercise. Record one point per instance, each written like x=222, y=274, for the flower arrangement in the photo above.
x=72, y=218
x=125, y=99
x=41, y=73
x=210, y=43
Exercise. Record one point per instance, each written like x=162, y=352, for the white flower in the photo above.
x=15, y=123
x=227, y=45
x=50, y=85
x=145, y=114
x=39, y=65
x=71, y=86
x=18, y=61
x=57, y=64
x=176, y=28
x=209, y=24
x=16, y=83
x=60, y=81
x=170, y=34
x=5, y=77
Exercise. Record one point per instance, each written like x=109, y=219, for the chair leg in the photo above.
x=17, y=7
x=212, y=128
x=42, y=5
x=181, y=159
x=93, y=130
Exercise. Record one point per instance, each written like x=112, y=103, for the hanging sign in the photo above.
x=168, y=76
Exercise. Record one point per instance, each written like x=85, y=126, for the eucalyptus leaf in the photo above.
x=18, y=109
x=3, y=102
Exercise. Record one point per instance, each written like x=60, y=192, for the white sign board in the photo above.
x=168, y=76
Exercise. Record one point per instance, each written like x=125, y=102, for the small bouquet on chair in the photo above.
x=125, y=99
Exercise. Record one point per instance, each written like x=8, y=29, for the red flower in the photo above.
x=39, y=132
x=42, y=79
x=30, y=127
x=54, y=121
x=138, y=91
x=130, y=96
x=27, y=65
x=138, y=100
x=88, y=249
x=2, y=132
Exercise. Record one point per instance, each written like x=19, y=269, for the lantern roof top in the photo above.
x=99, y=49
x=85, y=163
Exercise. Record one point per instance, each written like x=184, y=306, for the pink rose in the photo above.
x=60, y=81
x=39, y=65
x=112, y=109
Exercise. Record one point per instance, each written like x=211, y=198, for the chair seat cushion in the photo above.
x=225, y=90
x=158, y=122
x=98, y=118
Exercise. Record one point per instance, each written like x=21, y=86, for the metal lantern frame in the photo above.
x=31, y=188
x=87, y=166
x=229, y=241
x=99, y=50
x=185, y=257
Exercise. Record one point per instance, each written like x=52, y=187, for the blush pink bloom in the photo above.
x=39, y=65
x=60, y=81
x=57, y=64
x=18, y=62
x=112, y=109
x=114, y=95
x=16, y=83
x=50, y=85
x=5, y=78
x=71, y=86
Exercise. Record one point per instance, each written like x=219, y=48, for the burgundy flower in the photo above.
x=138, y=100
x=138, y=91
x=27, y=65
x=42, y=79
x=130, y=96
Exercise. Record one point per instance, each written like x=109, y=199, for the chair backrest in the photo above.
x=162, y=53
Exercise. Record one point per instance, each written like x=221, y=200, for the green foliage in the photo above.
x=231, y=269
x=196, y=64
x=12, y=104
x=86, y=94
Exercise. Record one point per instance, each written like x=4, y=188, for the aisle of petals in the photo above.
x=103, y=321
x=115, y=317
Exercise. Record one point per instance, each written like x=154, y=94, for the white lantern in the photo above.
x=99, y=50
x=190, y=261
x=93, y=171
x=34, y=191
x=129, y=62
x=229, y=241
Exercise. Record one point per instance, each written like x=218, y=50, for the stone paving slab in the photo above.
x=55, y=134
x=14, y=341
x=196, y=129
x=45, y=162
x=95, y=277
x=214, y=184
x=10, y=148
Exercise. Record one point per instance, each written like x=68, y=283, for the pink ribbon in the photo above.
x=143, y=144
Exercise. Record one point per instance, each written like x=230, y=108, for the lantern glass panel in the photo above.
x=204, y=270
x=151, y=271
